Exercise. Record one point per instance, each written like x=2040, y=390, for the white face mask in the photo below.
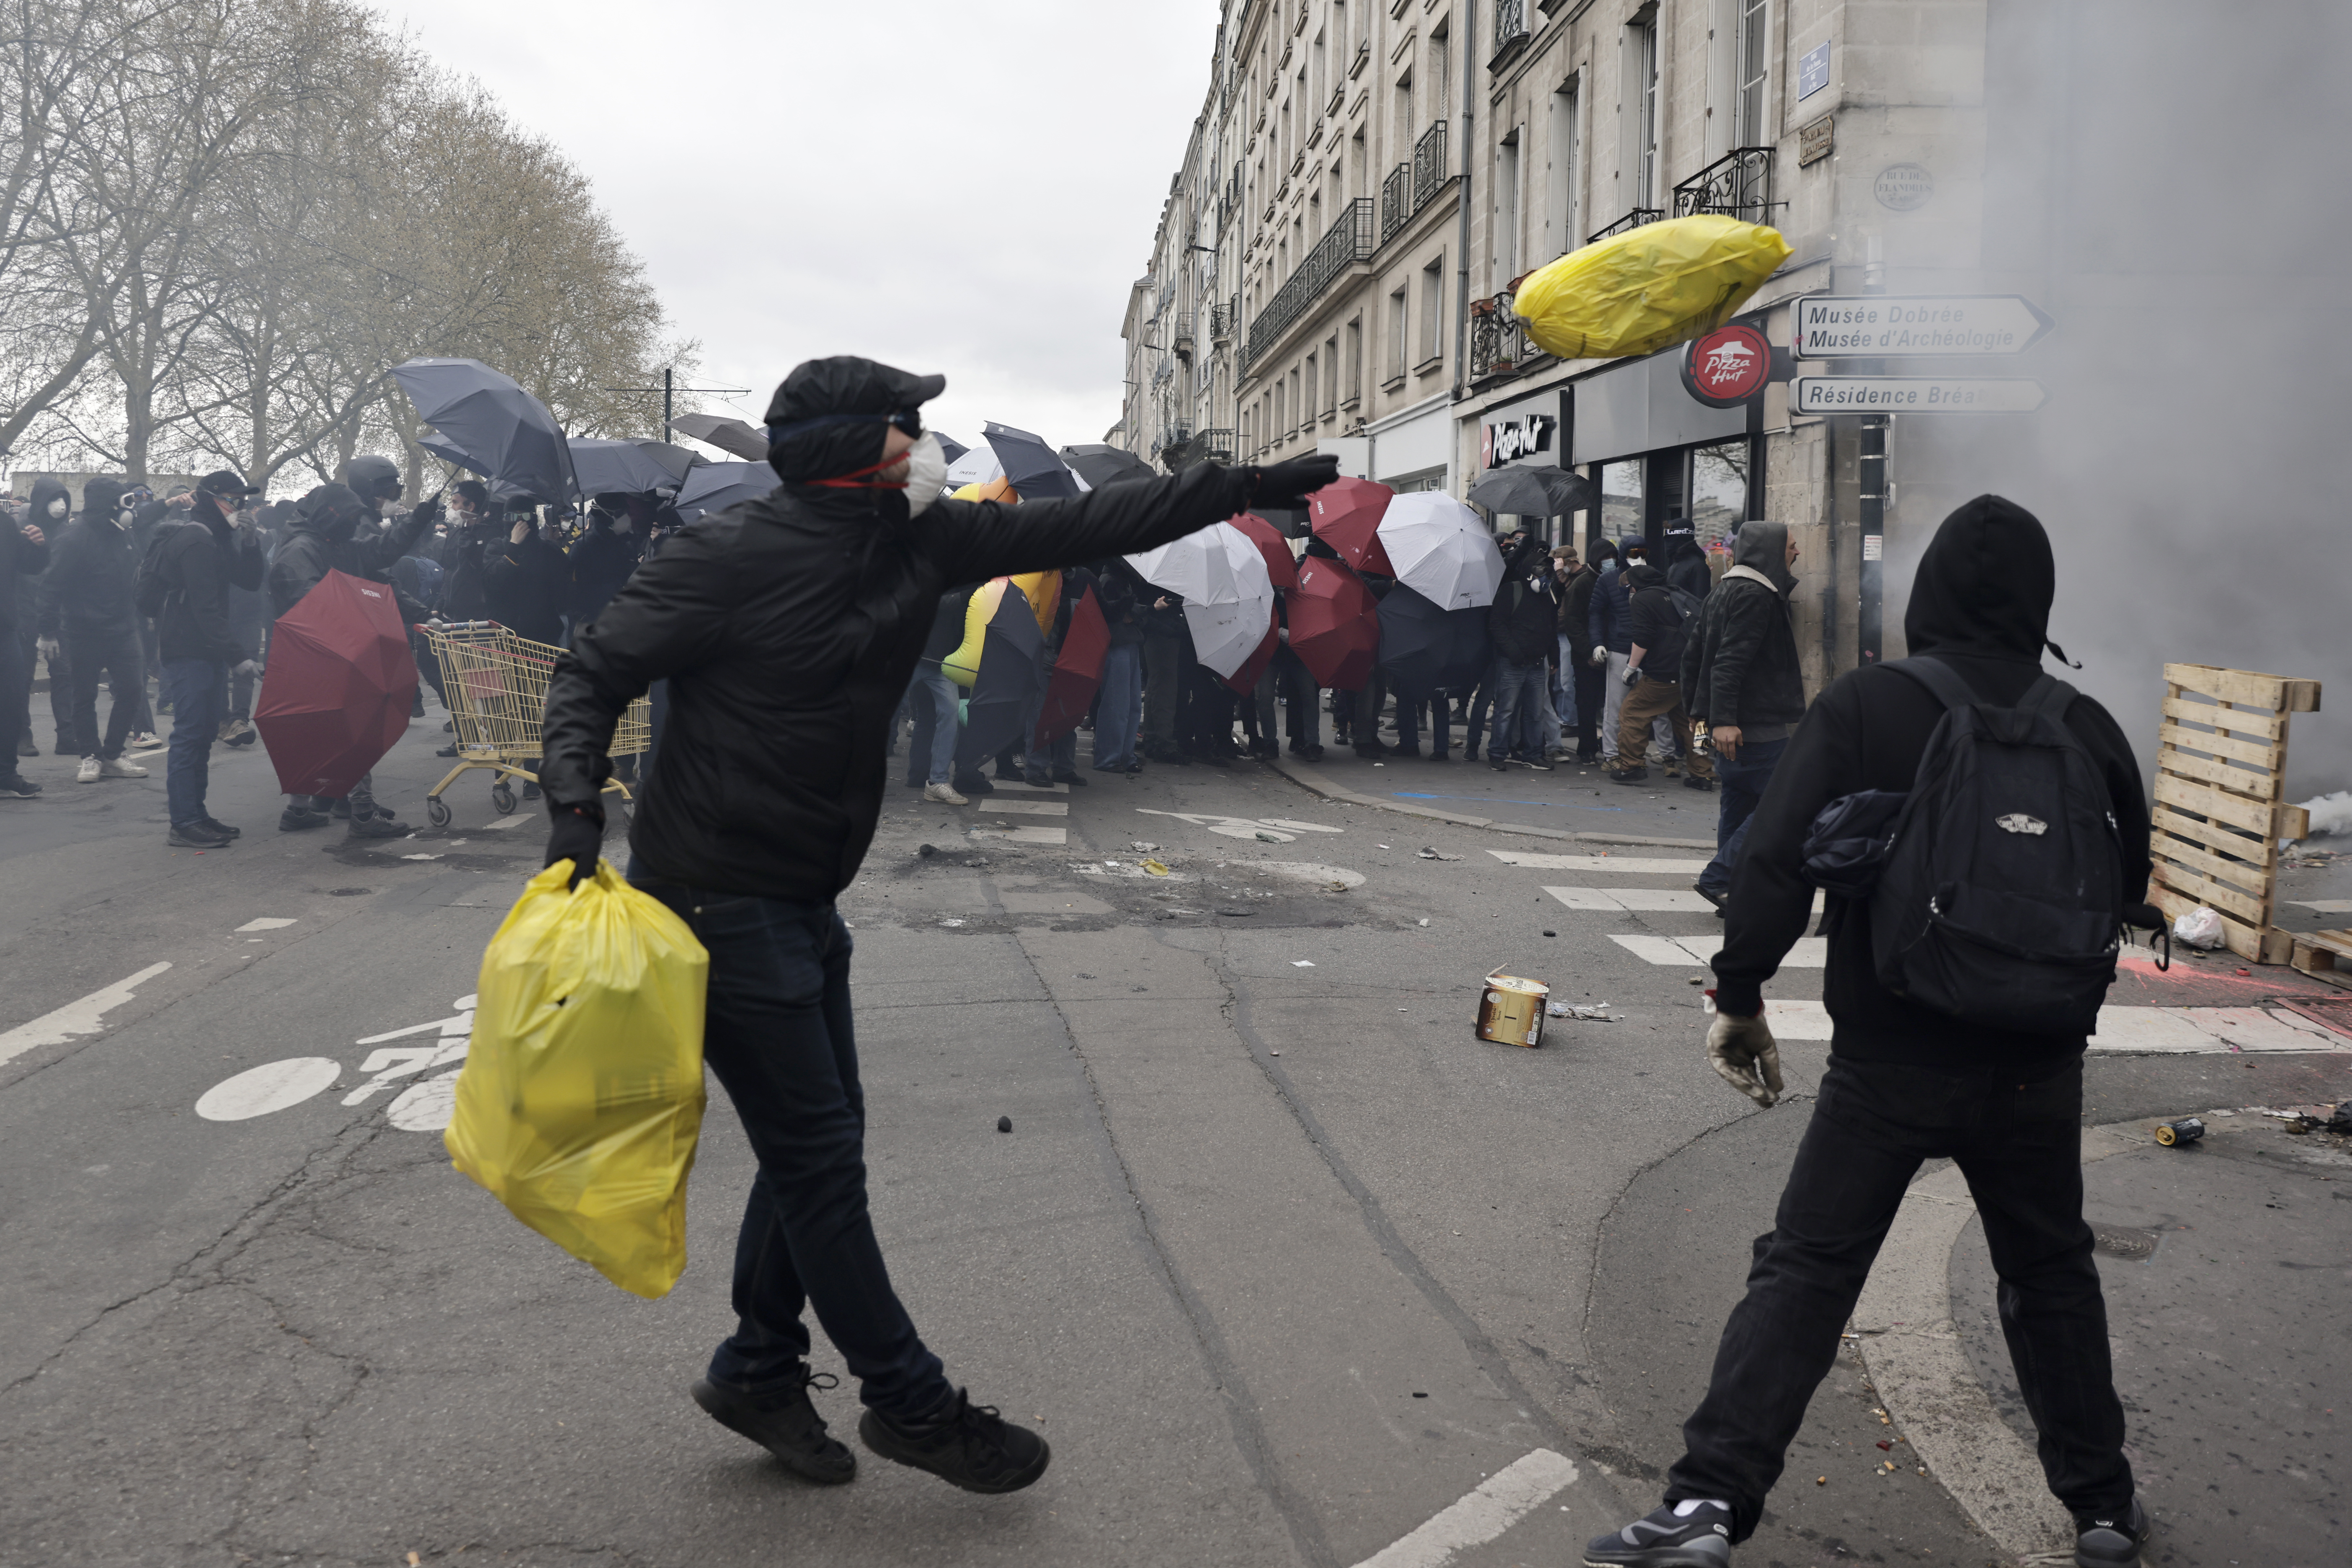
x=57, y=507
x=927, y=474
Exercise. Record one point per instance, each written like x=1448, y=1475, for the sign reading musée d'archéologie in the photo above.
x=1914, y=326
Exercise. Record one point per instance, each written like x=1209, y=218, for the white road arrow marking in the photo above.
x=1500, y=1502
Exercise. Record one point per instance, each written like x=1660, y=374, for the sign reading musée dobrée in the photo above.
x=1921, y=326
x=1912, y=395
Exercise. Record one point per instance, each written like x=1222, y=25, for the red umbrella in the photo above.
x=1077, y=670
x=339, y=686
x=1245, y=680
x=1280, y=564
x=1346, y=515
x=1335, y=628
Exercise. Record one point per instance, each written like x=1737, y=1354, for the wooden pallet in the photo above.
x=2220, y=800
x=2325, y=952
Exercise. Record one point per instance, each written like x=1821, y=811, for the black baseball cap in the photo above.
x=225, y=484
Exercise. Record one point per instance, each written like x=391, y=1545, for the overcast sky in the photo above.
x=946, y=187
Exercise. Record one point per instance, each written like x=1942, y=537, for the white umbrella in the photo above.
x=1440, y=549
x=1228, y=598
x=976, y=467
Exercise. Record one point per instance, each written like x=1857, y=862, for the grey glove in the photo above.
x=48, y=646
x=246, y=666
x=1744, y=1052
x=1601, y=656
x=1632, y=675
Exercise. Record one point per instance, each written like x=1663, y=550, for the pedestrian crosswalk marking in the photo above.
x=1056, y=836
x=1023, y=807
x=1630, y=899
x=1810, y=952
x=1628, y=864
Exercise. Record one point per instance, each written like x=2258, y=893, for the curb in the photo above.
x=1314, y=782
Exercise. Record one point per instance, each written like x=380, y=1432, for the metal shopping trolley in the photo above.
x=496, y=683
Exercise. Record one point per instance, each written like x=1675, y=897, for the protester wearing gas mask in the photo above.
x=88, y=611
x=786, y=627
x=605, y=554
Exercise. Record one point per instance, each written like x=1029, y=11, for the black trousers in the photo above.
x=2020, y=1145
x=118, y=652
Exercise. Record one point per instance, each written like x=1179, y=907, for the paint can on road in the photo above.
x=2177, y=1134
x=1511, y=1010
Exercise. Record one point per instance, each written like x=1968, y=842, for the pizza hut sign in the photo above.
x=1505, y=441
x=1727, y=366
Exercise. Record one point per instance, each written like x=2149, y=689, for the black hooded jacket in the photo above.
x=788, y=627
x=19, y=556
x=327, y=537
x=1980, y=603
x=1740, y=665
x=87, y=592
x=198, y=561
x=1523, y=621
x=1686, y=566
x=1654, y=623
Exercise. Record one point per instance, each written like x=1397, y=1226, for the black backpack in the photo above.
x=2001, y=897
x=148, y=589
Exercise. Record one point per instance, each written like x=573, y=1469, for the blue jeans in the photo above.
x=197, y=690
x=1742, y=782
x=1517, y=688
x=930, y=748
x=1115, y=713
x=777, y=1032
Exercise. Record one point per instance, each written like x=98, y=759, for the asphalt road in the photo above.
x=1289, y=1266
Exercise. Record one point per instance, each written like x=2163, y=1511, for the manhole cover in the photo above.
x=2336, y=1012
x=2122, y=1241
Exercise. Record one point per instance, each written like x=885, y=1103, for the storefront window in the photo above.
x=1718, y=490
x=1621, y=500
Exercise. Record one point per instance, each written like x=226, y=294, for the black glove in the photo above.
x=576, y=833
x=427, y=513
x=1288, y=484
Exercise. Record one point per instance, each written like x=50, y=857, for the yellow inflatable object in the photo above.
x=991, y=489
x=963, y=667
x=1640, y=290
x=582, y=1095
x=1043, y=592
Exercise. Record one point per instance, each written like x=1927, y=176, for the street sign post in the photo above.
x=1916, y=326
x=1912, y=395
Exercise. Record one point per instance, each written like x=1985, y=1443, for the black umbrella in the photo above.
x=726, y=435
x=491, y=416
x=1099, y=465
x=1424, y=646
x=712, y=486
x=631, y=465
x=1030, y=466
x=950, y=447
x=448, y=451
x=1531, y=489
x=1010, y=676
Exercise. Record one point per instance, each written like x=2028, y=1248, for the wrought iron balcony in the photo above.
x=1632, y=220
x=1738, y=185
x=1212, y=447
x=1510, y=31
x=1498, y=338
x=1181, y=336
x=1429, y=166
x=1220, y=324
x=1396, y=200
x=1348, y=241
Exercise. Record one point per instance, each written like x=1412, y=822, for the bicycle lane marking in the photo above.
x=86, y=1016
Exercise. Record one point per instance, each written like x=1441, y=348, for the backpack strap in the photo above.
x=1939, y=679
x=2048, y=695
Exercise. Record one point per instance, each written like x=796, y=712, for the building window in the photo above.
x=1354, y=368
x=1307, y=403
x=1441, y=87
x=1505, y=247
x=1754, y=15
x=1322, y=77
x=1433, y=309
x=1280, y=424
x=1396, y=336
x=1363, y=186
x=1560, y=229
x=1330, y=376
x=1645, y=124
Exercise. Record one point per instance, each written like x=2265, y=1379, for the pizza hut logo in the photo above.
x=1727, y=366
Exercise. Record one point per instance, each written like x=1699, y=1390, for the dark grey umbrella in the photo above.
x=489, y=415
x=1030, y=466
x=950, y=447
x=1531, y=489
x=1099, y=465
x=713, y=487
x=448, y=451
x=632, y=465
x=1424, y=646
x=726, y=435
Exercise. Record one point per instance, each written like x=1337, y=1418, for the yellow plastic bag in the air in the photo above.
x=1638, y=291
x=582, y=1095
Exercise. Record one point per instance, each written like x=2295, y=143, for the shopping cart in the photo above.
x=496, y=684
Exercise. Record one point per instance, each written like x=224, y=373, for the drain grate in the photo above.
x=2336, y=1012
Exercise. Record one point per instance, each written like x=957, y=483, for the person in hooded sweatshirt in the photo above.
x=332, y=533
x=1684, y=561
x=787, y=627
x=195, y=564
x=86, y=607
x=1906, y=1084
x=1742, y=679
x=24, y=552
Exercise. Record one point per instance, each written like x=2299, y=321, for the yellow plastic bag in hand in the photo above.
x=1638, y=291
x=582, y=1095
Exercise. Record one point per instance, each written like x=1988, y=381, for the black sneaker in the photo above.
x=195, y=835
x=1709, y=894
x=1536, y=762
x=1703, y=1539
x=973, y=784
x=967, y=1444
x=787, y=1426
x=373, y=826
x=1071, y=778
x=17, y=786
x=295, y=818
x=342, y=810
x=1697, y=783
x=1636, y=774
x=2113, y=1541
x=222, y=828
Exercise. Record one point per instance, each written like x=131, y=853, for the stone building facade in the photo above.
x=1369, y=180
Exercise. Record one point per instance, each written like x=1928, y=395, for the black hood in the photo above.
x=1682, y=544
x=101, y=497
x=1985, y=585
x=817, y=394
x=330, y=511
x=46, y=490
x=1641, y=575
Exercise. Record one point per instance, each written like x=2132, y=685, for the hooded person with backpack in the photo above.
x=1657, y=624
x=184, y=582
x=1962, y=987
